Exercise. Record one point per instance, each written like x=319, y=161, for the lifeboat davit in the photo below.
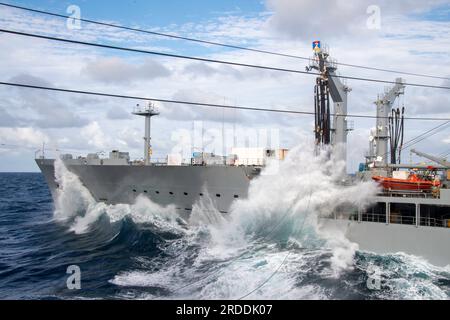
x=412, y=183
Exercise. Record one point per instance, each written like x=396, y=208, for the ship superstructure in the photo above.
x=415, y=221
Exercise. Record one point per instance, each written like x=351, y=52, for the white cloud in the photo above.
x=310, y=20
x=19, y=139
x=95, y=136
x=131, y=138
x=324, y=19
x=189, y=113
x=118, y=71
x=118, y=113
x=36, y=107
x=403, y=43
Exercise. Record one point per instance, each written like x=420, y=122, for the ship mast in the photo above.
x=384, y=109
x=329, y=84
x=148, y=112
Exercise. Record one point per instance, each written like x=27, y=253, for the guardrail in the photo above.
x=398, y=219
x=410, y=194
x=432, y=222
x=373, y=217
x=39, y=154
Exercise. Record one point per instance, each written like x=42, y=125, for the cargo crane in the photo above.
x=389, y=127
x=328, y=84
x=442, y=161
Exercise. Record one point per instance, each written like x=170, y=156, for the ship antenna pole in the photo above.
x=148, y=112
x=148, y=140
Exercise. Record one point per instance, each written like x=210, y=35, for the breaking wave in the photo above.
x=271, y=245
x=76, y=207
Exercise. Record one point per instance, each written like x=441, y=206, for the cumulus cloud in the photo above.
x=118, y=113
x=25, y=137
x=437, y=103
x=407, y=41
x=315, y=19
x=6, y=119
x=324, y=19
x=118, y=71
x=95, y=136
x=204, y=70
x=38, y=108
x=189, y=113
x=131, y=137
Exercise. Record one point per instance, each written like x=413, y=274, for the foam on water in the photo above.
x=403, y=276
x=287, y=204
x=271, y=245
x=76, y=207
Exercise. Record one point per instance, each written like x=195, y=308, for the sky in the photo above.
x=407, y=35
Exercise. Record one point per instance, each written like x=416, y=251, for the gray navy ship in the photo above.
x=411, y=213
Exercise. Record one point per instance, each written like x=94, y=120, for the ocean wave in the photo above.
x=270, y=246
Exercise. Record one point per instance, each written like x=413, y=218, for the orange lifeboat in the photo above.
x=413, y=183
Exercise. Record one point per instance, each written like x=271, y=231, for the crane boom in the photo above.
x=329, y=83
x=384, y=108
x=443, y=162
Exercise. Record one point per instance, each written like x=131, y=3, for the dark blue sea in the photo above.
x=146, y=252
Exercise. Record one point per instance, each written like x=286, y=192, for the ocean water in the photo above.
x=269, y=246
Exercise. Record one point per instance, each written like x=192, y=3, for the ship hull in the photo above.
x=182, y=186
x=429, y=243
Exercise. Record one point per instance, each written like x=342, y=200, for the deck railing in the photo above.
x=410, y=194
x=398, y=219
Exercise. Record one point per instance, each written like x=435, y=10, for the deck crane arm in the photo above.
x=330, y=83
x=384, y=108
x=443, y=162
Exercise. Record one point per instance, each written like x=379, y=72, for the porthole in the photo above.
x=236, y=196
x=218, y=195
x=157, y=192
x=134, y=190
x=185, y=193
x=171, y=192
x=201, y=194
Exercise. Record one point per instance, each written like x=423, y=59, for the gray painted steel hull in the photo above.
x=122, y=184
x=181, y=186
x=430, y=243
